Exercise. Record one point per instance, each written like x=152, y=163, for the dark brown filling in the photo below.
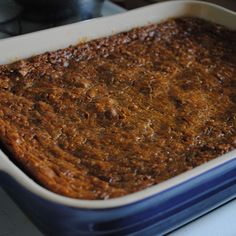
x=116, y=115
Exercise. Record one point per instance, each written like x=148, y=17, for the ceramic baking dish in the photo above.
x=153, y=211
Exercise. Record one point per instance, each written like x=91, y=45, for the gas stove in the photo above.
x=16, y=20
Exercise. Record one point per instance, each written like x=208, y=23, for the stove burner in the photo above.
x=16, y=20
x=9, y=19
x=58, y=10
x=9, y=10
x=46, y=14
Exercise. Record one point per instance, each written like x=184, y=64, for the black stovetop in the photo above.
x=16, y=20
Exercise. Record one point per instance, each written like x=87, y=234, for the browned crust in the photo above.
x=113, y=116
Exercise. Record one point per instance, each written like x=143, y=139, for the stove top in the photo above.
x=16, y=20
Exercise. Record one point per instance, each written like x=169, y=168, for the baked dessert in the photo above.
x=112, y=116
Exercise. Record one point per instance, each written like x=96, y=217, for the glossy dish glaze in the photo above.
x=155, y=210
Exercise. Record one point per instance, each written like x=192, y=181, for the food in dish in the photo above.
x=116, y=115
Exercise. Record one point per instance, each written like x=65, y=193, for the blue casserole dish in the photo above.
x=153, y=211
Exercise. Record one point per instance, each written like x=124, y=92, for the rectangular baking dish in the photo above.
x=153, y=211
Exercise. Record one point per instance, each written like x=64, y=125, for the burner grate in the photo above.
x=15, y=20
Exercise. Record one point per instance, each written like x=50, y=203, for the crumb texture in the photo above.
x=119, y=114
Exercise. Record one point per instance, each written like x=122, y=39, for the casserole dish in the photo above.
x=155, y=210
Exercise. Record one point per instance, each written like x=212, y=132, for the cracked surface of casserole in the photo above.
x=116, y=115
